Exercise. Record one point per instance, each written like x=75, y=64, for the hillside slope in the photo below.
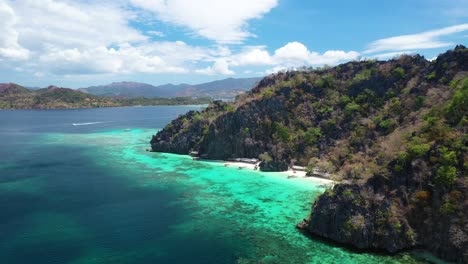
x=392, y=132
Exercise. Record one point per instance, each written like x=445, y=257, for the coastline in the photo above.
x=289, y=173
x=97, y=107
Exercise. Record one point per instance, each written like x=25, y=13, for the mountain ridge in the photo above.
x=225, y=89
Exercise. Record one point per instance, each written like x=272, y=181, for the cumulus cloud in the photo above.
x=66, y=38
x=9, y=46
x=332, y=57
x=224, y=21
x=293, y=54
x=220, y=67
x=424, y=40
x=49, y=23
x=69, y=37
x=159, y=57
x=252, y=56
x=276, y=69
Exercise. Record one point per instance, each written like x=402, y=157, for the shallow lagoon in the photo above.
x=92, y=194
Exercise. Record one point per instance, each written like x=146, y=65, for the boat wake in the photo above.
x=87, y=124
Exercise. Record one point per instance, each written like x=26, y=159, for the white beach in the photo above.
x=289, y=173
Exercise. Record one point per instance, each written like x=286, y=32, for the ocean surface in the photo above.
x=77, y=186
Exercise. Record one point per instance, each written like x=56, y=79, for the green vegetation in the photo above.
x=399, y=72
x=419, y=103
x=431, y=76
x=351, y=108
x=354, y=223
x=312, y=135
x=280, y=131
x=458, y=107
x=362, y=76
x=265, y=157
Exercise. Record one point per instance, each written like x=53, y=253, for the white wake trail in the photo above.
x=87, y=124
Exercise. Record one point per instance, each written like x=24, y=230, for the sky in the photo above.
x=81, y=43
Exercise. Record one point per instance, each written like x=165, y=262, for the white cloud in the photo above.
x=224, y=21
x=424, y=40
x=75, y=38
x=77, y=61
x=156, y=33
x=253, y=56
x=125, y=59
x=9, y=46
x=65, y=38
x=332, y=57
x=220, y=67
x=49, y=24
x=293, y=54
x=389, y=55
x=275, y=69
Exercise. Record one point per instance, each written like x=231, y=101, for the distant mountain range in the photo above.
x=221, y=89
x=13, y=96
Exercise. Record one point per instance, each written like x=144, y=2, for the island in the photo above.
x=13, y=96
x=393, y=134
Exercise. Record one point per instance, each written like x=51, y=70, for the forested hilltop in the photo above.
x=13, y=96
x=393, y=133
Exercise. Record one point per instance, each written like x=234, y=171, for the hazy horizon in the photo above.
x=109, y=83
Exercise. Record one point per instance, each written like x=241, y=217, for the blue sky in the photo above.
x=82, y=43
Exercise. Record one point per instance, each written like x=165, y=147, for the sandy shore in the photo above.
x=290, y=173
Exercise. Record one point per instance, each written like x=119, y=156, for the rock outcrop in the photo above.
x=344, y=215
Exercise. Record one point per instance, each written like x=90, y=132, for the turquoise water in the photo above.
x=94, y=195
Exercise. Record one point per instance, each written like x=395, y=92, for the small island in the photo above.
x=391, y=133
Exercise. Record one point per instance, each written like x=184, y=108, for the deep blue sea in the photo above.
x=77, y=186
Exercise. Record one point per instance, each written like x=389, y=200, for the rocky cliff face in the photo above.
x=344, y=214
x=392, y=132
x=394, y=218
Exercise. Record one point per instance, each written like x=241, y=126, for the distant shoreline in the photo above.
x=120, y=106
